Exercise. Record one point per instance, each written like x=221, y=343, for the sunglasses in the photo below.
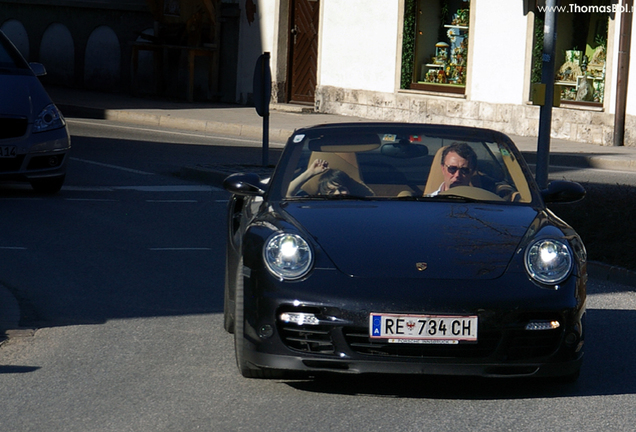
x=453, y=169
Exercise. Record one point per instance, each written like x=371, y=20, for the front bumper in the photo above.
x=424, y=367
x=504, y=348
x=42, y=155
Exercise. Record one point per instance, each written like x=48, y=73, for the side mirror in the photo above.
x=38, y=69
x=245, y=184
x=562, y=191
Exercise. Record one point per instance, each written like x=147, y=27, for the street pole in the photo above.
x=547, y=78
x=624, y=47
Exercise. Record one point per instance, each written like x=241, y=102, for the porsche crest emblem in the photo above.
x=421, y=266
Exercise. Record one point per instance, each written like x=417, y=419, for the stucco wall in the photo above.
x=358, y=44
x=499, y=31
x=258, y=28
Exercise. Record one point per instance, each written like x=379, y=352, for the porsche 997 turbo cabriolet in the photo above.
x=403, y=248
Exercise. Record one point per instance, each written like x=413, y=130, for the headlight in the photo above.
x=49, y=118
x=288, y=256
x=548, y=261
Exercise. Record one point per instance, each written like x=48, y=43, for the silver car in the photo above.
x=34, y=139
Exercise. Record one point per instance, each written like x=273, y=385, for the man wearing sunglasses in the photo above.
x=458, y=166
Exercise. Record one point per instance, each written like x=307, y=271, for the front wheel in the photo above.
x=239, y=323
x=239, y=338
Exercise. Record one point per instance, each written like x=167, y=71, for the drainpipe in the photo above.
x=547, y=78
x=624, y=45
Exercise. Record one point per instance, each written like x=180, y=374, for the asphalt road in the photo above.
x=122, y=274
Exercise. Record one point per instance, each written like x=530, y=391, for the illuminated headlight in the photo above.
x=288, y=256
x=548, y=261
x=48, y=119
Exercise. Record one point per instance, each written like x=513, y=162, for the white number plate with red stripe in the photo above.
x=435, y=329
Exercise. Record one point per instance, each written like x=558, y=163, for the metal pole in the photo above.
x=547, y=78
x=267, y=88
x=624, y=46
x=266, y=139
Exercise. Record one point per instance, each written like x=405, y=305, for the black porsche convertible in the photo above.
x=403, y=248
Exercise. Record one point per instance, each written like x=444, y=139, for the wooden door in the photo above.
x=303, y=51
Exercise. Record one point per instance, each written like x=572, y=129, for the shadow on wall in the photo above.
x=102, y=63
x=18, y=35
x=91, y=49
x=57, y=53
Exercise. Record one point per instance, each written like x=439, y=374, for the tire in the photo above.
x=239, y=323
x=48, y=186
x=239, y=338
x=229, y=307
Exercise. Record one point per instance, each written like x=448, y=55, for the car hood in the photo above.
x=21, y=96
x=429, y=240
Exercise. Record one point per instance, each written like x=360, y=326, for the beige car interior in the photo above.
x=347, y=161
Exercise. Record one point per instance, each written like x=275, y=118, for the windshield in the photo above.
x=401, y=163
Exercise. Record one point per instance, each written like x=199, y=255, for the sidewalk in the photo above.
x=236, y=120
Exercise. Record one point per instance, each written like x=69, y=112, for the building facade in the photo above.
x=140, y=46
x=465, y=62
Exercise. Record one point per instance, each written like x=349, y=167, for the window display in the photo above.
x=440, y=45
x=581, y=52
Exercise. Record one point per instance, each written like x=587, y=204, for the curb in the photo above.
x=276, y=135
x=585, y=161
x=279, y=135
x=9, y=314
x=608, y=273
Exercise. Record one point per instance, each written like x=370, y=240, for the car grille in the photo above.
x=13, y=127
x=531, y=344
x=359, y=341
x=508, y=343
x=307, y=338
x=11, y=164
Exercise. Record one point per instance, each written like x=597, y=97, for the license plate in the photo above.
x=435, y=329
x=7, y=152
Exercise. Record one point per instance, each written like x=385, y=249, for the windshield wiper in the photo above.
x=452, y=197
x=342, y=197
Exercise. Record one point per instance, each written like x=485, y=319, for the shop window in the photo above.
x=435, y=45
x=581, y=51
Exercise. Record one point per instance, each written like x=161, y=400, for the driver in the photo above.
x=459, y=162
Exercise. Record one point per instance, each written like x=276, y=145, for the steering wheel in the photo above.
x=472, y=193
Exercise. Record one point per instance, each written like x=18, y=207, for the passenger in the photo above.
x=335, y=182
x=332, y=182
x=459, y=162
x=318, y=166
